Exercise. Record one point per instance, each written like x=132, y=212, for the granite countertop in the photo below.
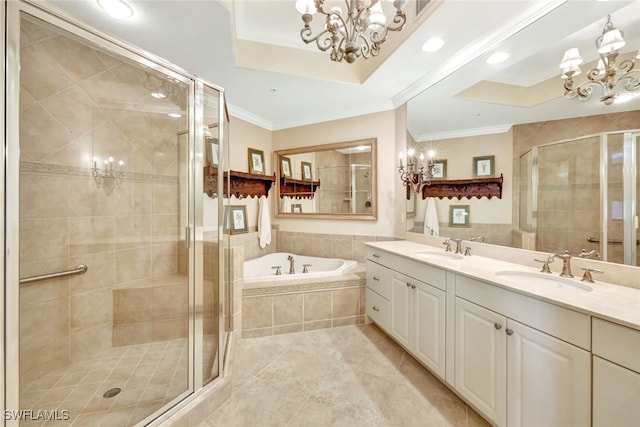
x=619, y=304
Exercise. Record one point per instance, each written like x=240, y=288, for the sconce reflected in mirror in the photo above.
x=107, y=178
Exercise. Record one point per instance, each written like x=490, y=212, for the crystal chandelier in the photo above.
x=607, y=75
x=416, y=175
x=355, y=32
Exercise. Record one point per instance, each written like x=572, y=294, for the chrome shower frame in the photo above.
x=9, y=177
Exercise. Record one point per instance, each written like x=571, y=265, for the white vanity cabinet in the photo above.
x=521, y=361
x=417, y=304
x=616, y=375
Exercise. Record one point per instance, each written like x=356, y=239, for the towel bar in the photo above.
x=80, y=269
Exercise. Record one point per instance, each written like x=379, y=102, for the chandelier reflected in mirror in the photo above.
x=356, y=31
x=607, y=75
x=418, y=172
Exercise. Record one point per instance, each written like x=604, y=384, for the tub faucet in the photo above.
x=292, y=267
x=566, y=264
x=589, y=255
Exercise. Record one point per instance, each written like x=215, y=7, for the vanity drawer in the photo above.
x=617, y=344
x=425, y=273
x=377, y=309
x=380, y=256
x=379, y=279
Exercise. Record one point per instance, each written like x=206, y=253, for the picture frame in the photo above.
x=285, y=167
x=459, y=216
x=235, y=219
x=307, y=174
x=439, y=169
x=256, y=161
x=212, y=151
x=484, y=166
x=296, y=208
x=421, y=5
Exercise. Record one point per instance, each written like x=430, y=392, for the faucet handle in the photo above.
x=586, y=277
x=447, y=244
x=305, y=268
x=467, y=251
x=545, y=265
x=277, y=269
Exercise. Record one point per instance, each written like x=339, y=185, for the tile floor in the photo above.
x=148, y=374
x=348, y=376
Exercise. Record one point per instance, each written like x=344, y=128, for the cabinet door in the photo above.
x=400, y=308
x=429, y=326
x=616, y=395
x=549, y=380
x=480, y=361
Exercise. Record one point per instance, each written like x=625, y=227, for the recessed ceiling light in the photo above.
x=433, y=44
x=116, y=8
x=497, y=58
x=174, y=115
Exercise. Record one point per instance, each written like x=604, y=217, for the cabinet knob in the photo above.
x=375, y=308
x=376, y=278
x=408, y=284
x=509, y=331
x=413, y=286
x=376, y=256
x=498, y=326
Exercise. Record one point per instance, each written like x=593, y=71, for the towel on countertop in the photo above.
x=264, y=223
x=431, y=226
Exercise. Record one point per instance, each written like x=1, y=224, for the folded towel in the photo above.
x=431, y=226
x=264, y=223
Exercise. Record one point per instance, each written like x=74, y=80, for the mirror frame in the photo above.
x=277, y=154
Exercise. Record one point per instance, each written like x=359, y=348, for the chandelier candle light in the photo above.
x=107, y=178
x=416, y=175
x=607, y=74
x=355, y=32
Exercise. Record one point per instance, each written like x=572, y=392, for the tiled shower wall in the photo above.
x=576, y=208
x=126, y=237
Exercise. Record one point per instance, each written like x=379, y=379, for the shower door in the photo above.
x=621, y=194
x=105, y=183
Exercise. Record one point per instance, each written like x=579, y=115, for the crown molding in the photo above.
x=462, y=133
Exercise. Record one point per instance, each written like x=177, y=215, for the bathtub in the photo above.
x=259, y=269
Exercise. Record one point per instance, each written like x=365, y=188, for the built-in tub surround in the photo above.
x=276, y=267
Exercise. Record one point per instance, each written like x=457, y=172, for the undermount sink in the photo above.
x=542, y=279
x=439, y=256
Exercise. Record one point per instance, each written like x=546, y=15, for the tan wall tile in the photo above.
x=346, y=302
x=257, y=312
x=287, y=309
x=317, y=306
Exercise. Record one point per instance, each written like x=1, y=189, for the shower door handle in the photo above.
x=187, y=235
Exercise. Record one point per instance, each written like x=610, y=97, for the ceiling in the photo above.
x=252, y=49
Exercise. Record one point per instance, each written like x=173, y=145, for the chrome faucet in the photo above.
x=292, y=268
x=566, y=264
x=458, y=241
x=447, y=244
x=546, y=262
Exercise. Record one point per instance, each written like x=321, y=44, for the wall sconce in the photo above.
x=416, y=175
x=106, y=178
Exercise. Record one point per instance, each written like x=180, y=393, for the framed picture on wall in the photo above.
x=285, y=167
x=439, y=169
x=483, y=166
x=296, y=208
x=459, y=216
x=235, y=219
x=256, y=161
x=213, y=151
x=306, y=171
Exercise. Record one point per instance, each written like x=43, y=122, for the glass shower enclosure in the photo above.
x=583, y=193
x=114, y=302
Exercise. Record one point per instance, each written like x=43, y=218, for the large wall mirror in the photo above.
x=552, y=149
x=327, y=181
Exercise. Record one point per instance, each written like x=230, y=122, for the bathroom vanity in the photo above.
x=522, y=347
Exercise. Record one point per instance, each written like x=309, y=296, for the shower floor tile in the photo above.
x=149, y=375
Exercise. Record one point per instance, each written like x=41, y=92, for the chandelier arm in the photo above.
x=627, y=65
x=365, y=48
x=323, y=39
x=631, y=81
x=400, y=19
